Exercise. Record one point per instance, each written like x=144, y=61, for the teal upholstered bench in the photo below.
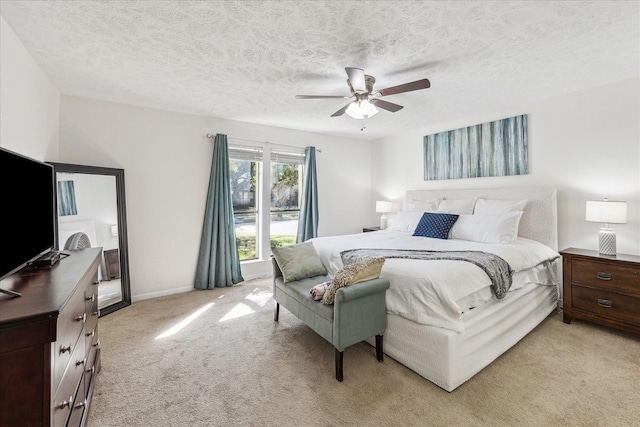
x=358, y=311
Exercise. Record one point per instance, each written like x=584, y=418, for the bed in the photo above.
x=449, y=317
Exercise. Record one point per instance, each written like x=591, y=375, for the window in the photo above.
x=244, y=175
x=266, y=206
x=286, y=191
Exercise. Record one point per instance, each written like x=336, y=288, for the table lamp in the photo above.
x=383, y=207
x=607, y=212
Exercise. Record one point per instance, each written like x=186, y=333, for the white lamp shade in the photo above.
x=361, y=109
x=382, y=206
x=607, y=212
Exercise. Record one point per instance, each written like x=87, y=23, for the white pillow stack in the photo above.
x=493, y=221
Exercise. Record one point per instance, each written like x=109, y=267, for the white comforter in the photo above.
x=437, y=292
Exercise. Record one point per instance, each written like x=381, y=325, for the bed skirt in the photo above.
x=448, y=358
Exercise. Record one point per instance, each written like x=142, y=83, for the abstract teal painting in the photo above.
x=495, y=148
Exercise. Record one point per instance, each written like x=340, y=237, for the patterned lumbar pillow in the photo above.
x=352, y=274
x=298, y=261
x=436, y=225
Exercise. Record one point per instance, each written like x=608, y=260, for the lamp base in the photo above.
x=383, y=222
x=607, y=240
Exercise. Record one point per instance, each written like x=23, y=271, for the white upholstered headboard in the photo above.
x=540, y=218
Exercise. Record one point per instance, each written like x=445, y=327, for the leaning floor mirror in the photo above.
x=91, y=213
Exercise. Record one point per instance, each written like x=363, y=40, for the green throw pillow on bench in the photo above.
x=298, y=261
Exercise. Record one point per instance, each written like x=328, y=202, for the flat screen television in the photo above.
x=27, y=204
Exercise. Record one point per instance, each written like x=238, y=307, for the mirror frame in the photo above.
x=122, y=224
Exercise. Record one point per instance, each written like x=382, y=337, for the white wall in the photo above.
x=29, y=102
x=585, y=144
x=167, y=158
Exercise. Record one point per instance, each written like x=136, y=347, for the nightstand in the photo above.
x=112, y=263
x=601, y=289
x=368, y=229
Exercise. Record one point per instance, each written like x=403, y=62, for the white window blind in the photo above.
x=245, y=153
x=287, y=157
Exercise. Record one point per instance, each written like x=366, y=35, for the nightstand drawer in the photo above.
x=606, y=276
x=609, y=304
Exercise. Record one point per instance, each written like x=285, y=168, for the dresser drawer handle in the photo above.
x=92, y=370
x=96, y=282
x=605, y=303
x=81, y=362
x=90, y=334
x=65, y=349
x=81, y=404
x=66, y=403
x=82, y=318
x=91, y=298
x=604, y=276
x=97, y=344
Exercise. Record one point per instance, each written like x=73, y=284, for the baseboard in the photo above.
x=150, y=295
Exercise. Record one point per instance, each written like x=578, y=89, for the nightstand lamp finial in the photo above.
x=609, y=213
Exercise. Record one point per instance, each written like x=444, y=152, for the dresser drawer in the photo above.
x=608, y=276
x=609, y=304
x=71, y=322
x=69, y=385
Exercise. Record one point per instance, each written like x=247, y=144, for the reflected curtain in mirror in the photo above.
x=66, y=199
x=308, y=222
x=218, y=260
x=496, y=148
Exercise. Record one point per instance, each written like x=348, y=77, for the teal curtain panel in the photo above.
x=308, y=222
x=495, y=148
x=218, y=260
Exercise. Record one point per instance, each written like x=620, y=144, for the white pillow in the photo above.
x=497, y=207
x=460, y=206
x=487, y=228
x=405, y=220
x=423, y=205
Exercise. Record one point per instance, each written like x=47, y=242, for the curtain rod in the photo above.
x=211, y=136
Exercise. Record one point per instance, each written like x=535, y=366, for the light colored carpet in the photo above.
x=232, y=365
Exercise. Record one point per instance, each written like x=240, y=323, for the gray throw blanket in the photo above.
x=498, y=270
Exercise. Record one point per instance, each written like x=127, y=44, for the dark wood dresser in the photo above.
x=601, y=289
x=49, y=347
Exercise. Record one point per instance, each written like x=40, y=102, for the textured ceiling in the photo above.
x=246, y=60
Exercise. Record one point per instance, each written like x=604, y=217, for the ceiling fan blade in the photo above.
x=341, y=111
x=356, y=78
x=389, y=106
x=407, y=87
x=321, y=97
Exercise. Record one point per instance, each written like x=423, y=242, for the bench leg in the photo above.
x=379, y=354
x=338, y=364
x=277, y=312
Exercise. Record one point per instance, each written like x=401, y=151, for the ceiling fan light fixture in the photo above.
x=361, y=109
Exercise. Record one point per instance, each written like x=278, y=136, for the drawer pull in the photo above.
x=65, y=349
x=97, y=344
x=605, y=303
x=97, y=282
x=82, y=318
x=66, y=403
x=96, y=313
x=90, y=334
x=81, y=362
x=92, y=370
x=604, y=276
x=81, y=404
x=91, y=298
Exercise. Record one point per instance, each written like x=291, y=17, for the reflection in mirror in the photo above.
x=91, y=213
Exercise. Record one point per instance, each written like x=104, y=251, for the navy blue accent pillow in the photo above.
x=436, y=225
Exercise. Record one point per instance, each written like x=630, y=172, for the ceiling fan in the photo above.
x=366, y=99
